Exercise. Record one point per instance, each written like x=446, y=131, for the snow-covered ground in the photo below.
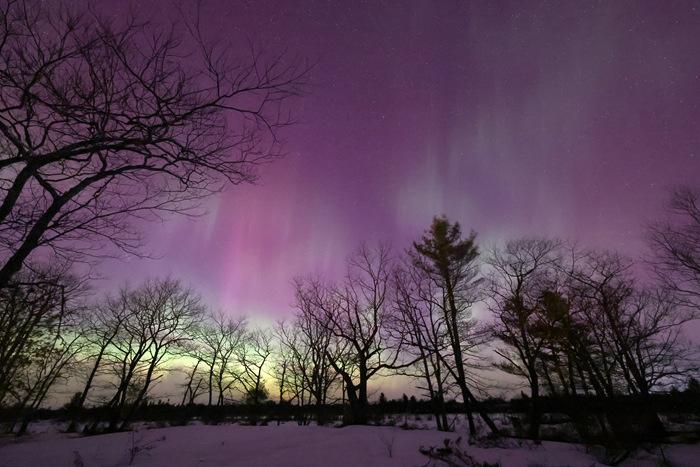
x=288, y=445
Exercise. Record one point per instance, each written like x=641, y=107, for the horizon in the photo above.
x=285, y=210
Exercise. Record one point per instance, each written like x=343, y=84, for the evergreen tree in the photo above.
x=450, y=261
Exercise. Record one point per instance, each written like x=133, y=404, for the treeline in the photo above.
x=679, y=403
x=83, y=164
x=570, y=323
x=122, y=346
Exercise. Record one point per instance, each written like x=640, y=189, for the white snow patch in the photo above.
x=290, y=445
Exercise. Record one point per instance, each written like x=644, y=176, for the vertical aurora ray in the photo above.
x=567, y=119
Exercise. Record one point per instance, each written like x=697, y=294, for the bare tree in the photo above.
x=253, y=357
x=195, y=378
x=569, y=352
x=607, y=333
x=38, y=315
x=54, y=361
x=663, y=356
x=420, y=322
x=521, y=272
x=282, y=365
x=289, y=360
x=357, y=313
x=675, y=245
x=638, y=329
x=305, y=345
x=99, y=327
x=161, y=315
x=40, y=342
x=102, y=123
x=219, y=341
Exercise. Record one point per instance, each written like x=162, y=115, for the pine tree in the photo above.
x=450, y=261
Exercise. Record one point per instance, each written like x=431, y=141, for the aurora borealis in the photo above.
x=568, y=119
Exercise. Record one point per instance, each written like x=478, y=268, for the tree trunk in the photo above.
x=467, y=396
x=535, y=412
x=357, y=397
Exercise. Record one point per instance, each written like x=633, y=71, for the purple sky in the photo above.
x=557, y=118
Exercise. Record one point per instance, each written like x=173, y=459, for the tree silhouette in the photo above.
x=522, y=271
x=675, y=244
x=357, y=313
x=103, y=123
x=420, y=323
x=450, y=261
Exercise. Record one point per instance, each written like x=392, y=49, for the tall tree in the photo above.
x=220, y=340
x=253, y=357
x=305, y=345
x=99, y=328
x=521, y=272
x=639, y=329
x=357, y=313
x=451, y=262
x=420, y=323
x=161, y=315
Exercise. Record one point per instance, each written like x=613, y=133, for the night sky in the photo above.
x=569, y=119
